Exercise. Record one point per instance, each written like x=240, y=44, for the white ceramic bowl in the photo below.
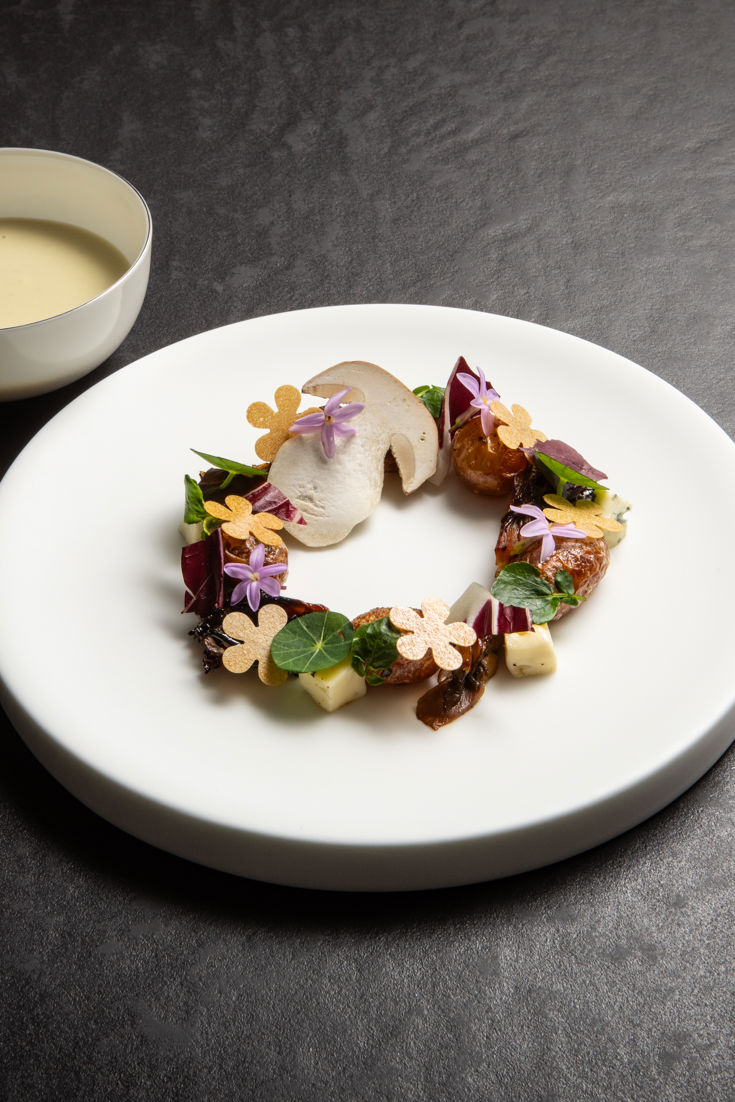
x=35, y=183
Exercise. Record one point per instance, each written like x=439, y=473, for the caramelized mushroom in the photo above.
x=586, y=560
x=484, y=463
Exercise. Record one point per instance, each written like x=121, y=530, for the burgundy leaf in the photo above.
x=456, y=399
x=495, y=618
x=267, y=498
x=563, y=453
x=202, y=566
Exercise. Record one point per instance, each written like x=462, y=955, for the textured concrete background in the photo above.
x=569, y=162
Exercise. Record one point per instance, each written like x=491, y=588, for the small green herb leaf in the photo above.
x=231, y=466
x=194, y=510
x=374, y=650
x=544, y=610
x=564, y=581
x=521, y=584
x=312, y=642
x=559, y=475
x=432, y=397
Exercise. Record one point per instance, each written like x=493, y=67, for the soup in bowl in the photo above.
x=75, y=250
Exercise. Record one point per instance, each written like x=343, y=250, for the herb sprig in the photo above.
x=374, y=650
x=432, y=397
x=521, y=584
x=194, y=510
x=231, y=466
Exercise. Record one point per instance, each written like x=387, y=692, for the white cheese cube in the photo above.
x=335, y=686
x=529, y=653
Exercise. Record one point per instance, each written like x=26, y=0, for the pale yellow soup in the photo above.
x=49, y=267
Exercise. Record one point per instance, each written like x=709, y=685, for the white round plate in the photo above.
x=105, y=685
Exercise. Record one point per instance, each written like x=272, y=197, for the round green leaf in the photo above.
x=312, y=642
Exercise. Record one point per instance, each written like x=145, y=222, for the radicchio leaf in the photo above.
x=202, y=567
x=495, y=618
x=567, y=456
x=456, y=406
x=267, y=498
x=457, y=399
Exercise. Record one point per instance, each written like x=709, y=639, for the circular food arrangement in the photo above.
x=321, y=472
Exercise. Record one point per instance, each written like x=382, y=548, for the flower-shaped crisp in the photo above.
x=330, y=421
x=541, y=528
x=517, y=431
x=277, y=420
x=240, y=521
x=256, y=643
x=254, y=577
x=586, y=515
x=482, y=397
x=429, y=631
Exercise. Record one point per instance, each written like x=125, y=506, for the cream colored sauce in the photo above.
x=49, y=267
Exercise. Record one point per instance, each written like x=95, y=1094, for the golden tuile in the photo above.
x=240, y=521
x=277, y=421
x=586, y=515
x=517, y=431
x=430, y=632
x=256, y=643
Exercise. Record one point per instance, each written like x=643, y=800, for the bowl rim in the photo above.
x=136, y=263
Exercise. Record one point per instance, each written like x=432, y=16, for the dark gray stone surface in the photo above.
x=569, y=162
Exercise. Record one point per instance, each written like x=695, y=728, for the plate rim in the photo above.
x=715, y=745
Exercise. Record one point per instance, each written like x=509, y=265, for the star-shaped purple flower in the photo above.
x=254, y=577
x=540, y=528
x=483, y=395
x=330, y=421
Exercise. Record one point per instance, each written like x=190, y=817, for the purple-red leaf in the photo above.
x=202, y=566
x=563, y=453
x=456, y=401
x=267, y=498
x=495, y=618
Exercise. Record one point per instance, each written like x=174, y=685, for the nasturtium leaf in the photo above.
x=432, y=397
x=194, y=510
x=231, y=466
x=312, y=642
x=374, y=650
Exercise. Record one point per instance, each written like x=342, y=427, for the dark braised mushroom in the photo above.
x=456, y=692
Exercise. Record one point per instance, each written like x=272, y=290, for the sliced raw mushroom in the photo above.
x=336, y=494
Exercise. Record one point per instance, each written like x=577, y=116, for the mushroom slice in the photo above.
x=335, y=494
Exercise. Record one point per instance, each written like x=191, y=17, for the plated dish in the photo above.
x=364, y=798
x=322, y=474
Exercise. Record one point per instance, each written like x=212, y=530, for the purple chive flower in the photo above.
x=483, y=395
x=540, y=528
x=255, y=577
x=330, y=421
